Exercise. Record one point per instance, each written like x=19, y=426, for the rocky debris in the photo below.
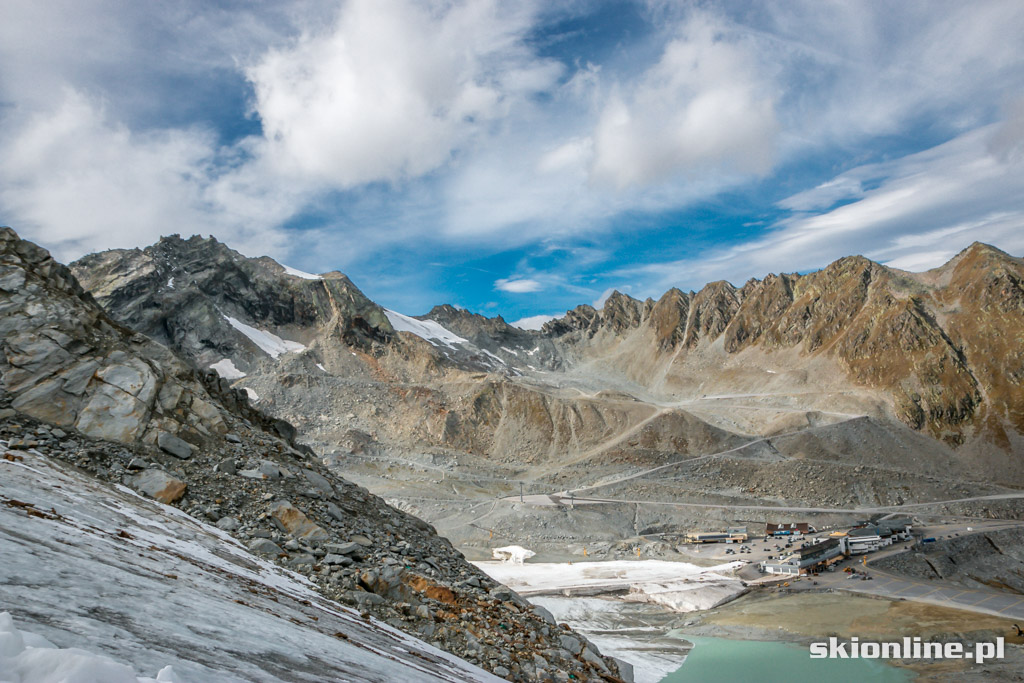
x=993, y=559
x=370, y=556
x=158, y=484
x=383, y=561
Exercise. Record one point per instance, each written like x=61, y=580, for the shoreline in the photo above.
x=767, y=613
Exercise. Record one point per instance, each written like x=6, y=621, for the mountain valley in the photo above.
x=854, y=389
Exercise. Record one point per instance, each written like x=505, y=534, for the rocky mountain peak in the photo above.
x=200, y=296
x=66, y=362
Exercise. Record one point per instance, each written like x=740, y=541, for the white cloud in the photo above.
x=482, y=143
x=518, y=286
x=926, y=208
x=702, y=107
x=77, y=182
x=534, y=322
x=824, y=196
x=394, y=88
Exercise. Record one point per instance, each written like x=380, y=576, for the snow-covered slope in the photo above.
x=269, y=342
x=148, y=586
x=427, y=329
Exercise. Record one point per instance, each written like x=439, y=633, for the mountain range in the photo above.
x=855, y=385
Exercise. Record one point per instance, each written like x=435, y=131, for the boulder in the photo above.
x=112, y=414
x=169, y=443
x=319, y=481
x=349, y=548
x=295, y=522
x=158, y=485
x=264, y=546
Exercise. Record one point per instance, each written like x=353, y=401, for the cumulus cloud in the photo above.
x=377, y=130
x=394, y=88
x=702, y=106
x=78, y=182
x=518, y=286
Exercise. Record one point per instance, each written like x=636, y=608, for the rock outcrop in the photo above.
x=83, y=389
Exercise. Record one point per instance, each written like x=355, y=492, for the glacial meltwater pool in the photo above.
x=721, y=660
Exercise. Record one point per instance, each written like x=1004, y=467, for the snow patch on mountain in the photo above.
x=269, y=342
x=488, y=353
x=426, y=329
x=226, y=369
x=299, y=273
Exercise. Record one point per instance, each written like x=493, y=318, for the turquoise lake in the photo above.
x=715, y=660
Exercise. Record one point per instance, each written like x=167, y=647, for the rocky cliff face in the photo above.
x=82, y=389
x=943, y=346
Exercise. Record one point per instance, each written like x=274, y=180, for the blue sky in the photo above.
x=518, y=158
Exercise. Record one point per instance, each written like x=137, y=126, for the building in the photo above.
x=787, y=566
x=735, y=534
x=809, y=559
x=792, y=529
x=817, y=556
x=868, y=539
x=899, y=527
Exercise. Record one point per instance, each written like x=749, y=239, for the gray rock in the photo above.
x=364, y=599
x=544, y=614
x=227, y=466
x=77, y=377
x=7, y=413
x=362, y=540
x=334, y=559
x=342, y=548
x=302, y=559
x=232, y=438
x=111, y=414
x=319, y=481
x=264, y=546
x=570, y=643
x=501, y=593
x=169, y=443
x=269, y=470
x=335, y=512
x=228, y=523
x=625, y=669
x=594, y=659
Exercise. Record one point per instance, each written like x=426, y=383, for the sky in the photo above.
x=517, y=158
